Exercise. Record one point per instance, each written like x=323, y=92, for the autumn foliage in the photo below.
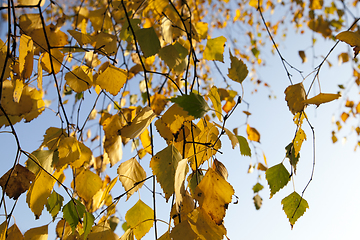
x=143, y=67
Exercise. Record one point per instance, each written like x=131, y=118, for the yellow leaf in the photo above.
x=294, y=96
x=79, y=79
x=87, y=184
x=128, y=235
x=26, y=55
x=214, y=49
x=112, y=79
x=81, y=38
x=343, y=57
x=174, y=117
x=316, y=4
x=208, y=133
x=321, y=98
x=253, y=134
x=38, y=233
x=146, y=141
x=14, y=233
x=131, y=172
x=100, y=19
x=214, y=194
x=55, y=37
x=18, y=182
x=233, y=139
x=351, y=38
x=3, y=228
x=215, y=99
x=164, y=165
x=102, y=231
x=40, y=190
x=298, y=140
x=56, y=56
x=138, y=218
x=158, y=103
x=10, y=106
x=220, y=168
x=108, y=189
x=113, y=142
x=202, y=224
x=344, y=116
x=105, y=42
x=31, y=2
x=141, y=121
x=39, y=74
x=18, y=89
x=179, y=187
x=164, y=130
x=52, y=137
x=68, y=151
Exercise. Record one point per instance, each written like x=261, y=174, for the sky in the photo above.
x=332, y=195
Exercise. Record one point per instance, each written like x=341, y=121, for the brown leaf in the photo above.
x=294, y=96
x=18, y=183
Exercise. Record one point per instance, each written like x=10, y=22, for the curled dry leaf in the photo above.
x=295, y=97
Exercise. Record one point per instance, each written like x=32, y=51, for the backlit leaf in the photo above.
x=277, y=177
x=257, y=187
x=3, y=228
x=351, y=38
x=88, y=222
x=79, y=79
x=54, y=204
x=11, y=107
x=44, y=158
x=321, y=98
x=164, y=165
x=18, y=183
x=87, y=184
x=14, y=233
x=233, y=139
x=40, y=190
x=214, y=49
x=179, y=187
x=108, y=189
x=81, y=38
x=253, y=134
x=300, y=137
x=295, y=96
x=244, y=146
x=215, y=99
x=220, y=168
x=112, y=79
x=290, y=154
x=193, y=103
x=128, y=235
x=158, y=103
x=26, y=55
x=294, y=207
x=106, y=43
x=148, y=41
x=55, y=63
x=102, y=231
x=141, y=121
x=214, y=194
x=73, y=213
x=130, y=172
x=38, y=233
x=174, y=118
x=138, y=218
x=238, y=70
x=173, y=55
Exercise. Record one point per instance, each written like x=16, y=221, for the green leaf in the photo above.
x=244, y=146
x=138, y=218
x=88, y=222
x=214, y=49
x=173, y=55
x=257, y=187
x=238, y=70
x=277, y=177
x=290, y=154
x=148, y=41
x=215, y=99
x=193, y=103
x=73, y=213
x=294, y=207
x=54, y=204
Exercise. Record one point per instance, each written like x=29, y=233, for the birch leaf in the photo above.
x=295, y=96
x=294, y=207
x=322, y=98
x=138, y=217
x=131, y=172
x=214, y=49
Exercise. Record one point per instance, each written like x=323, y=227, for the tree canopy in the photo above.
x=148, y=79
